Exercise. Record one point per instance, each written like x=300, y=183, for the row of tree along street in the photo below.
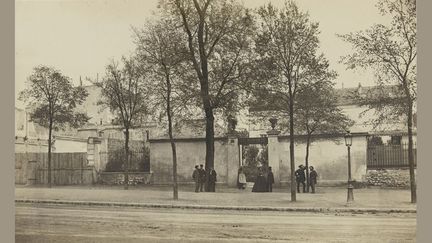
x=208, y=57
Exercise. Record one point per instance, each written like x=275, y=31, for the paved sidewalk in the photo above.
x=326, y=199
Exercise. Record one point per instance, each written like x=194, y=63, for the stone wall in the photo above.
x=190, y=152
x=117, y=178
x=329, y=156
x=389, y=178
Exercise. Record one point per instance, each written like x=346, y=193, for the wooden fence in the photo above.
x=66, y=168
x=389, y=156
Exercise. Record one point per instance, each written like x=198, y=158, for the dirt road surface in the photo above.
x=109, y=224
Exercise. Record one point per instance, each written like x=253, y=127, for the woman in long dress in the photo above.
x=242, y=180
x=260, y=183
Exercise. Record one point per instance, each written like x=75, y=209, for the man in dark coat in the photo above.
x=212, y=180
x=270, y=179
x=196, y=178
x=300, y=178
x=312, y=178
x=202, y=178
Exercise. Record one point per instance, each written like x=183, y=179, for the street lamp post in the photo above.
x=348, y=143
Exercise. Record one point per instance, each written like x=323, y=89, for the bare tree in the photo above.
x=286, y=46
x=124, y=92
x=217, y=35
x=390, y=51
x=53, y=100
x=159, y=48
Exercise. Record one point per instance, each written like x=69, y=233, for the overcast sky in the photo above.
x=79, y=37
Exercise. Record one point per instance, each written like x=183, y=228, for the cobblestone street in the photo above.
x=98, y=224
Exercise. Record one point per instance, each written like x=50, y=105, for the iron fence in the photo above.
x=139, y=161
x=389, y=156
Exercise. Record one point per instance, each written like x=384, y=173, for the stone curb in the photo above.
x=238, y=208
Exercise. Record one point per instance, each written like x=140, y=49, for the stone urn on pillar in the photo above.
x=273, y=122
x=232, y=123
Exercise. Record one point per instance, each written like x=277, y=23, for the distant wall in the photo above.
x=256, y=122
x=190, y=152
x=116, y=144
x=70, y=145
x=33, y=145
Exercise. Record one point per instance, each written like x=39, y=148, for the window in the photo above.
x=376, y=140
x=396, y=140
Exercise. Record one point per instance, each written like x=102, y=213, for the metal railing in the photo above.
x=389, y=156
x=138, y=162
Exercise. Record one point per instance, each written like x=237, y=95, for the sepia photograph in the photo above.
x=215, y=121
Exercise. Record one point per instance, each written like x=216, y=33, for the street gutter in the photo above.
x=216, y=207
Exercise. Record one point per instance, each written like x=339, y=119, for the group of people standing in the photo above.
x=200, y=177
x=262, y=183
x=265, y=183
x=301, y=178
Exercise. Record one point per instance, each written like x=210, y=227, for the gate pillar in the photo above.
x=233, y=160
x=273, y=154
x=93, y=151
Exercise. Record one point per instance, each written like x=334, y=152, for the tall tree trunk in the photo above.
x=204, y=82
x=174, y=155
x=307, y=162
x=170, y=133
x=411, y=153
x=126, y=167
x=292, y=163
x=49, y=151
x=209, y=163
